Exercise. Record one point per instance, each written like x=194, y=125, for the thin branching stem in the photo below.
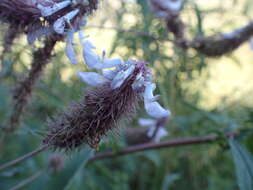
x=23, y=158
x=154, y=146
x=29, y=179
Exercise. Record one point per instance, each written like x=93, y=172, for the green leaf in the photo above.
x=169, y=180
x=77, y=181
x=243, y=164
x=70, y=173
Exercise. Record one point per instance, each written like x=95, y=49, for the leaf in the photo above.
x=169, y=180
x=243, y=164
x=68, y=177
x=76, y=182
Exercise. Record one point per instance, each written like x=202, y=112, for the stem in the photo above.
x=29, y=180
x=152, y=146
x=24, y=89
x=25, y=157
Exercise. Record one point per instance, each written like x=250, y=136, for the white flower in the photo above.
x=92, y=78
x=69, y=50
x=153, y=108
x=144, y=122
x=91, y=59
x=121, y=76
x=173, y=5
x=60, y=23
x=251, y=43
x=165, y=8
x=116, y=72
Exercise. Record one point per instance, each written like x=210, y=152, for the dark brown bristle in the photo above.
x=87, y=122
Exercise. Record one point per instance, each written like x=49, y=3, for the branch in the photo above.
x=154, y=146
x=24, y=89
x=25, y=157
x=212, y=46
x=223, y=43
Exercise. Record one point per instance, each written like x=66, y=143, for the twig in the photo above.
x=25, y=157
x=211, y=46
x=29, y=179
x=136, y=32
x=153, y=146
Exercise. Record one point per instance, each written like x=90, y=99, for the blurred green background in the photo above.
x=205, y=95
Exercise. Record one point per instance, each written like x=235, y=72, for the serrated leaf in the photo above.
x=243, y=164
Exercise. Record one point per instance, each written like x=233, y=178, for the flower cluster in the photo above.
x=117, y=73
x=46, y=17
x=118, y=86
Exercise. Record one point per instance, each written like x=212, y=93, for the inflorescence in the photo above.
x=118, y=86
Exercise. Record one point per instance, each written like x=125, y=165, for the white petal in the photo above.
x=92, y=78
x=153, y=108
x=112, y=62
x=121, y=76
x=109, y=73
x=94, y=61
x=251, y=43
x=49, y=10
x=60, y=23
x=151, y=131
x=91, y=59
x=146, y=122
x=161, y=133
x=71, y=15
x=69, y=50
x=173, y=5
x=148, y=93
x=138, y=82
x=81, y=37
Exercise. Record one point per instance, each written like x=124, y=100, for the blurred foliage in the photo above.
x=183, y=80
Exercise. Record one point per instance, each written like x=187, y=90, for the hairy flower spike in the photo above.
x=115, y=96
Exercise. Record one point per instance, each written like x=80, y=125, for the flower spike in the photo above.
x=114, y=96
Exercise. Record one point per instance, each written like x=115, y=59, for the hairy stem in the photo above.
x=24, y=89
